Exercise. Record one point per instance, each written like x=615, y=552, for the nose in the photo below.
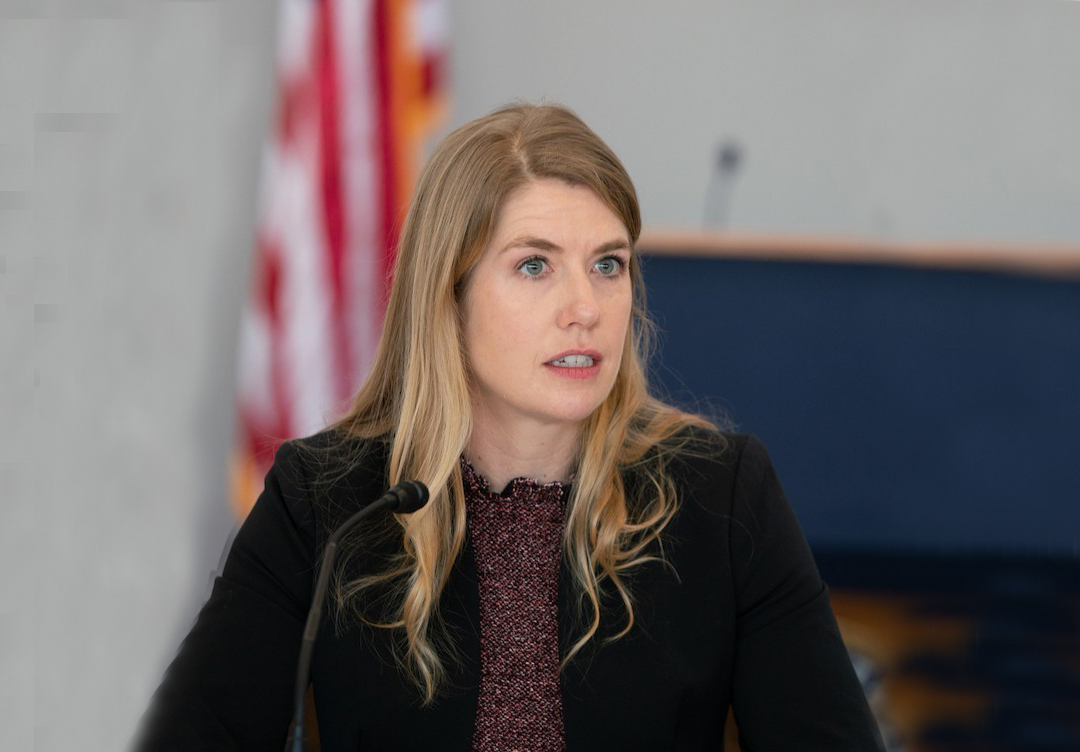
x=579, y=305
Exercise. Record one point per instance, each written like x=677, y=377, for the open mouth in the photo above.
x=573, y=361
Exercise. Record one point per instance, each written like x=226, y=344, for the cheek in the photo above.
x=495, y=331
x=623, y=308
x=624, y=336
x=480, y=313
x=482, y=335
x=510, y=316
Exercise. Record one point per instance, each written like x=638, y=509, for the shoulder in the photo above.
x=331, y=456
x=718, y=478
x=319, y=479
x=727, y=481
x=731, y=497
x=720, y=460
x=324, y=462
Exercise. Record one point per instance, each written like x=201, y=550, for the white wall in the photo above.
x=130, y=134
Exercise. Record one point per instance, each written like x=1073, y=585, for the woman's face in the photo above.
x=547, y=308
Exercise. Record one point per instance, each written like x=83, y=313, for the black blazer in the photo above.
x=737, y=616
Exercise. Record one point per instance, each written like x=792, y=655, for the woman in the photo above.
x=595, y=569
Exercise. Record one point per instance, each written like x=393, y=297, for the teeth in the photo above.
x=573, y=361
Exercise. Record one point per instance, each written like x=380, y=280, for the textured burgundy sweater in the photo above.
x=517, y=540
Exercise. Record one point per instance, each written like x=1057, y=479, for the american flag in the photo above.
x=359, y=92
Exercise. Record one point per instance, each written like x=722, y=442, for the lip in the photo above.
x=575, y=373
x=596, y=357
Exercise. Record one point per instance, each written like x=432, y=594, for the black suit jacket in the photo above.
x=736, y=616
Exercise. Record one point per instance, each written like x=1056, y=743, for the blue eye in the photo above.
x=533, y=267
x=609, y=266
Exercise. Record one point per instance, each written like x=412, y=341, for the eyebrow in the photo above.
x=531, y=241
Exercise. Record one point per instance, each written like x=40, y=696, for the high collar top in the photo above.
x=516, y=537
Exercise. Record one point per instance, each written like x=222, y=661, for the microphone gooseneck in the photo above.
x=404, y=498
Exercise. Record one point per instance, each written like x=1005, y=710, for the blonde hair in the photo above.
x=417, y=395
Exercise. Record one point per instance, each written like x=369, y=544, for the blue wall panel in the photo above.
x=905, y=408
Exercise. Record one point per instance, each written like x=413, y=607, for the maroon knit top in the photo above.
x=517, y=541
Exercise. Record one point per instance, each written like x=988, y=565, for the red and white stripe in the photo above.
x=335, y=176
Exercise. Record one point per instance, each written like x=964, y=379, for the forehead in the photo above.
x=558, y=208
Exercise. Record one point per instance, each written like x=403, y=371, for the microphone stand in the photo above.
x=403, y=498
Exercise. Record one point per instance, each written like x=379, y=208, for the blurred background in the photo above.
x=871, y=207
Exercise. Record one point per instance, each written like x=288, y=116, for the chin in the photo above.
x=577, y=412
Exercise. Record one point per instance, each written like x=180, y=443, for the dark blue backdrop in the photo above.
x=905, y=408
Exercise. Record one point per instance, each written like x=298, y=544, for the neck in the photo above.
x=500, y=454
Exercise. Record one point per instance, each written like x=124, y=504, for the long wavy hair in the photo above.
x=416, y=397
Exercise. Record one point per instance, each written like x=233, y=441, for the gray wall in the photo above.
x=130, y=135
x=908, y=120
x=129, y=150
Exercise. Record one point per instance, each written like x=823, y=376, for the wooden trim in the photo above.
x=1042, y=259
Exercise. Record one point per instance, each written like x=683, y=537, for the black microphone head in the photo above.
x=411, y=495
x=728, y=156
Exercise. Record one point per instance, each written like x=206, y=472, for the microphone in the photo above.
x=404, y=498
x=729, y=157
